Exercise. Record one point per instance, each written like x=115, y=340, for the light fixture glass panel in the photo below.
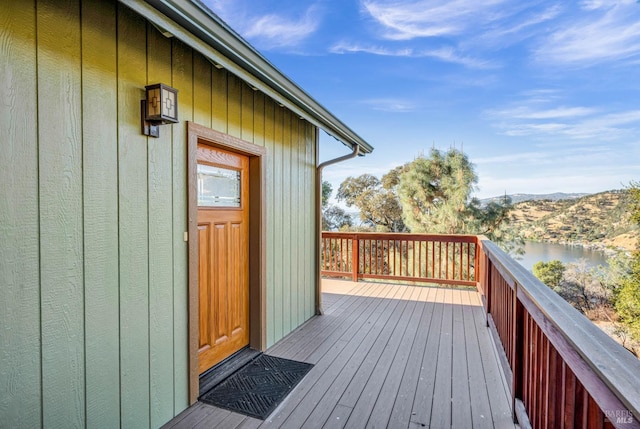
x=154, y=102
x=218, y=187
x=169, y=104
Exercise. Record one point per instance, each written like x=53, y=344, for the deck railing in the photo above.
x=563, y=371
x=448, y=259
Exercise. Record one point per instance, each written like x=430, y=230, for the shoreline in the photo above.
x=605, y=248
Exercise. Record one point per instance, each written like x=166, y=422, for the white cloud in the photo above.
x=537, y=115
x=278, y=31
x=406, y=20
x=345, y=47
x=471, y=29
x=513, y=158
x=446, y=54
x=553, y=113
x=606, y=127
x=450, y=55
x=595, y=4
x=541, y=96
x=391, y=105
x=559, y=167
x=606, y=31
x=269, y=30
x=515, y=29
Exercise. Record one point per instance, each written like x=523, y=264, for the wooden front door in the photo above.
x=223, y=249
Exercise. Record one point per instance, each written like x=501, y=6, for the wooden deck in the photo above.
x=385, y=356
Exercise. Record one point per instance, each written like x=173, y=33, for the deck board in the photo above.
x=386, y=356
x=363, y=408
x=461, y=408
x=339, y=383
x=423, y=398
x=480, y=408
x=352, y=337
x=403, y=405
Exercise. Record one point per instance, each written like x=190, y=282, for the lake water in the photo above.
x=546, y=252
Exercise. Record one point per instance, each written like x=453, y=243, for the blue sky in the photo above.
x=543, y=96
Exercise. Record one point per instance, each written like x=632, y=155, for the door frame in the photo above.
x=257, y=240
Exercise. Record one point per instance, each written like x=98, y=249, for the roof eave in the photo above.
x=194, y=24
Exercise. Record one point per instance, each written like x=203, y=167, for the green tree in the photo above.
x=376, y=200
x=434, y=192
x=615, y=273
x=627, y=301
x=435, y=195
x=550, y=273
x=581, y=287
x=430, y=195
x=327, y=189
x=333, y=217
x=494, y=221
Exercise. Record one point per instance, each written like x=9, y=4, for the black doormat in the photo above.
x=256, y=389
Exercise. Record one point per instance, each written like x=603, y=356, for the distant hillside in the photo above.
x=518, y=198
x=597, y=220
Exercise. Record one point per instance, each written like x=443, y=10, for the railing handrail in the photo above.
x=615, y=366
x=452, y=238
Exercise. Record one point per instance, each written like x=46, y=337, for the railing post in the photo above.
x=488, y=289
x=355, y=257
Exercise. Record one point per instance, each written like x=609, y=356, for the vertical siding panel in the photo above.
x=100, y=169
x=20, y=383
x=160, y=244
x=305, y=219
x=61, y=238
x=201, y=91
x=234, y=106
x=304, y=191
x=258, y=119
x=297, y=180
x=278, y=226
x=305, y=215
x=183, y=81
x=219, y=113
x=286, y=260
x=311, y=244
x=247, y=113
x=133, y=220
x=307, y=191
x=309, y=225
x=269, y=131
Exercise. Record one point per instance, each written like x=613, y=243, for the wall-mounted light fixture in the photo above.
x=160, y=107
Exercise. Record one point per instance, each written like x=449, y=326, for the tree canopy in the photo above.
x=549, y=273
x=376, y=199
x=333, y=217
x=434, y=192
x=428, y=195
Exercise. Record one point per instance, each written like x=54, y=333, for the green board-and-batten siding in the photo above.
x=93, y=264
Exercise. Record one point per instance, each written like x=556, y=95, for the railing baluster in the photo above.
x=446, y=261
x=369, y=269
